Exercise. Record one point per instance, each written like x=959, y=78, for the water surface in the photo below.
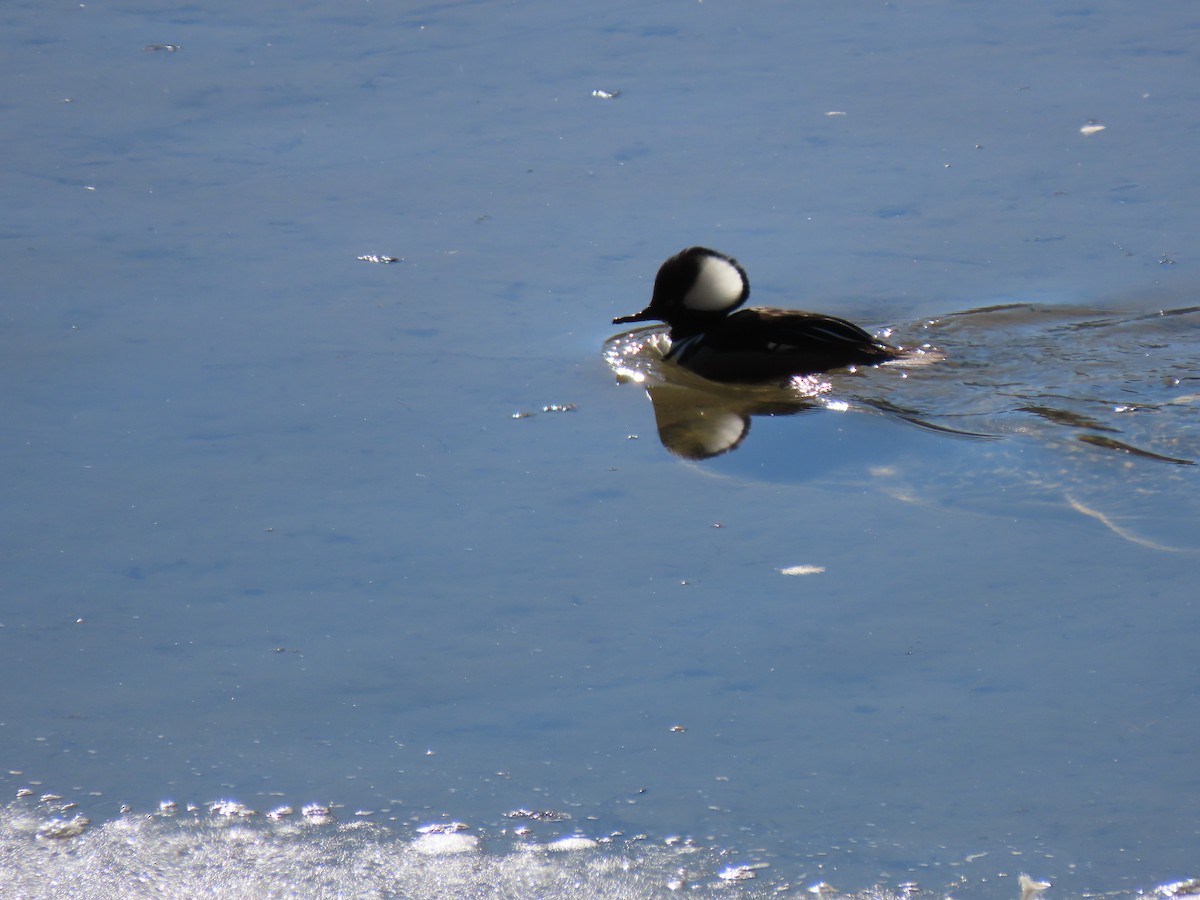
x=283, y=526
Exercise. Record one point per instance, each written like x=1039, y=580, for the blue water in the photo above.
x=284, y=526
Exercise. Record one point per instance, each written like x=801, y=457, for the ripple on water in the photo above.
x=1024, y=408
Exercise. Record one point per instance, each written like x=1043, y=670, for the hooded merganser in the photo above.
x=696, y=291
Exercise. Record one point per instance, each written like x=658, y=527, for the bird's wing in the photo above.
x=786, y=331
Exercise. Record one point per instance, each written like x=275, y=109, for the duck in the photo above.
x=696, y=293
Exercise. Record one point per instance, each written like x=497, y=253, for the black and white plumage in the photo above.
x=696, y=292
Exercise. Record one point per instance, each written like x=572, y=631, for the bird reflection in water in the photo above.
x=698, y=418
x=695, y=424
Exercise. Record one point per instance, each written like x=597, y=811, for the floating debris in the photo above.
x=538, y=815
x=1030, y=889
x=835, y=112
x=802, y=570
x=1091, y=127
x=678, y=729
x=443, y=828
x=559, y=407
x=740, y=873
x=58, y=829
x=316, y=814
x=376, y=258
x=169, y=48
x=231, y=809
x=445, y=843
x=606, y=95
x=573, y=842
x=1179, y=890
x=523, y=414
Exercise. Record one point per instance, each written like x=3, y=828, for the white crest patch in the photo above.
x=718, y=286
